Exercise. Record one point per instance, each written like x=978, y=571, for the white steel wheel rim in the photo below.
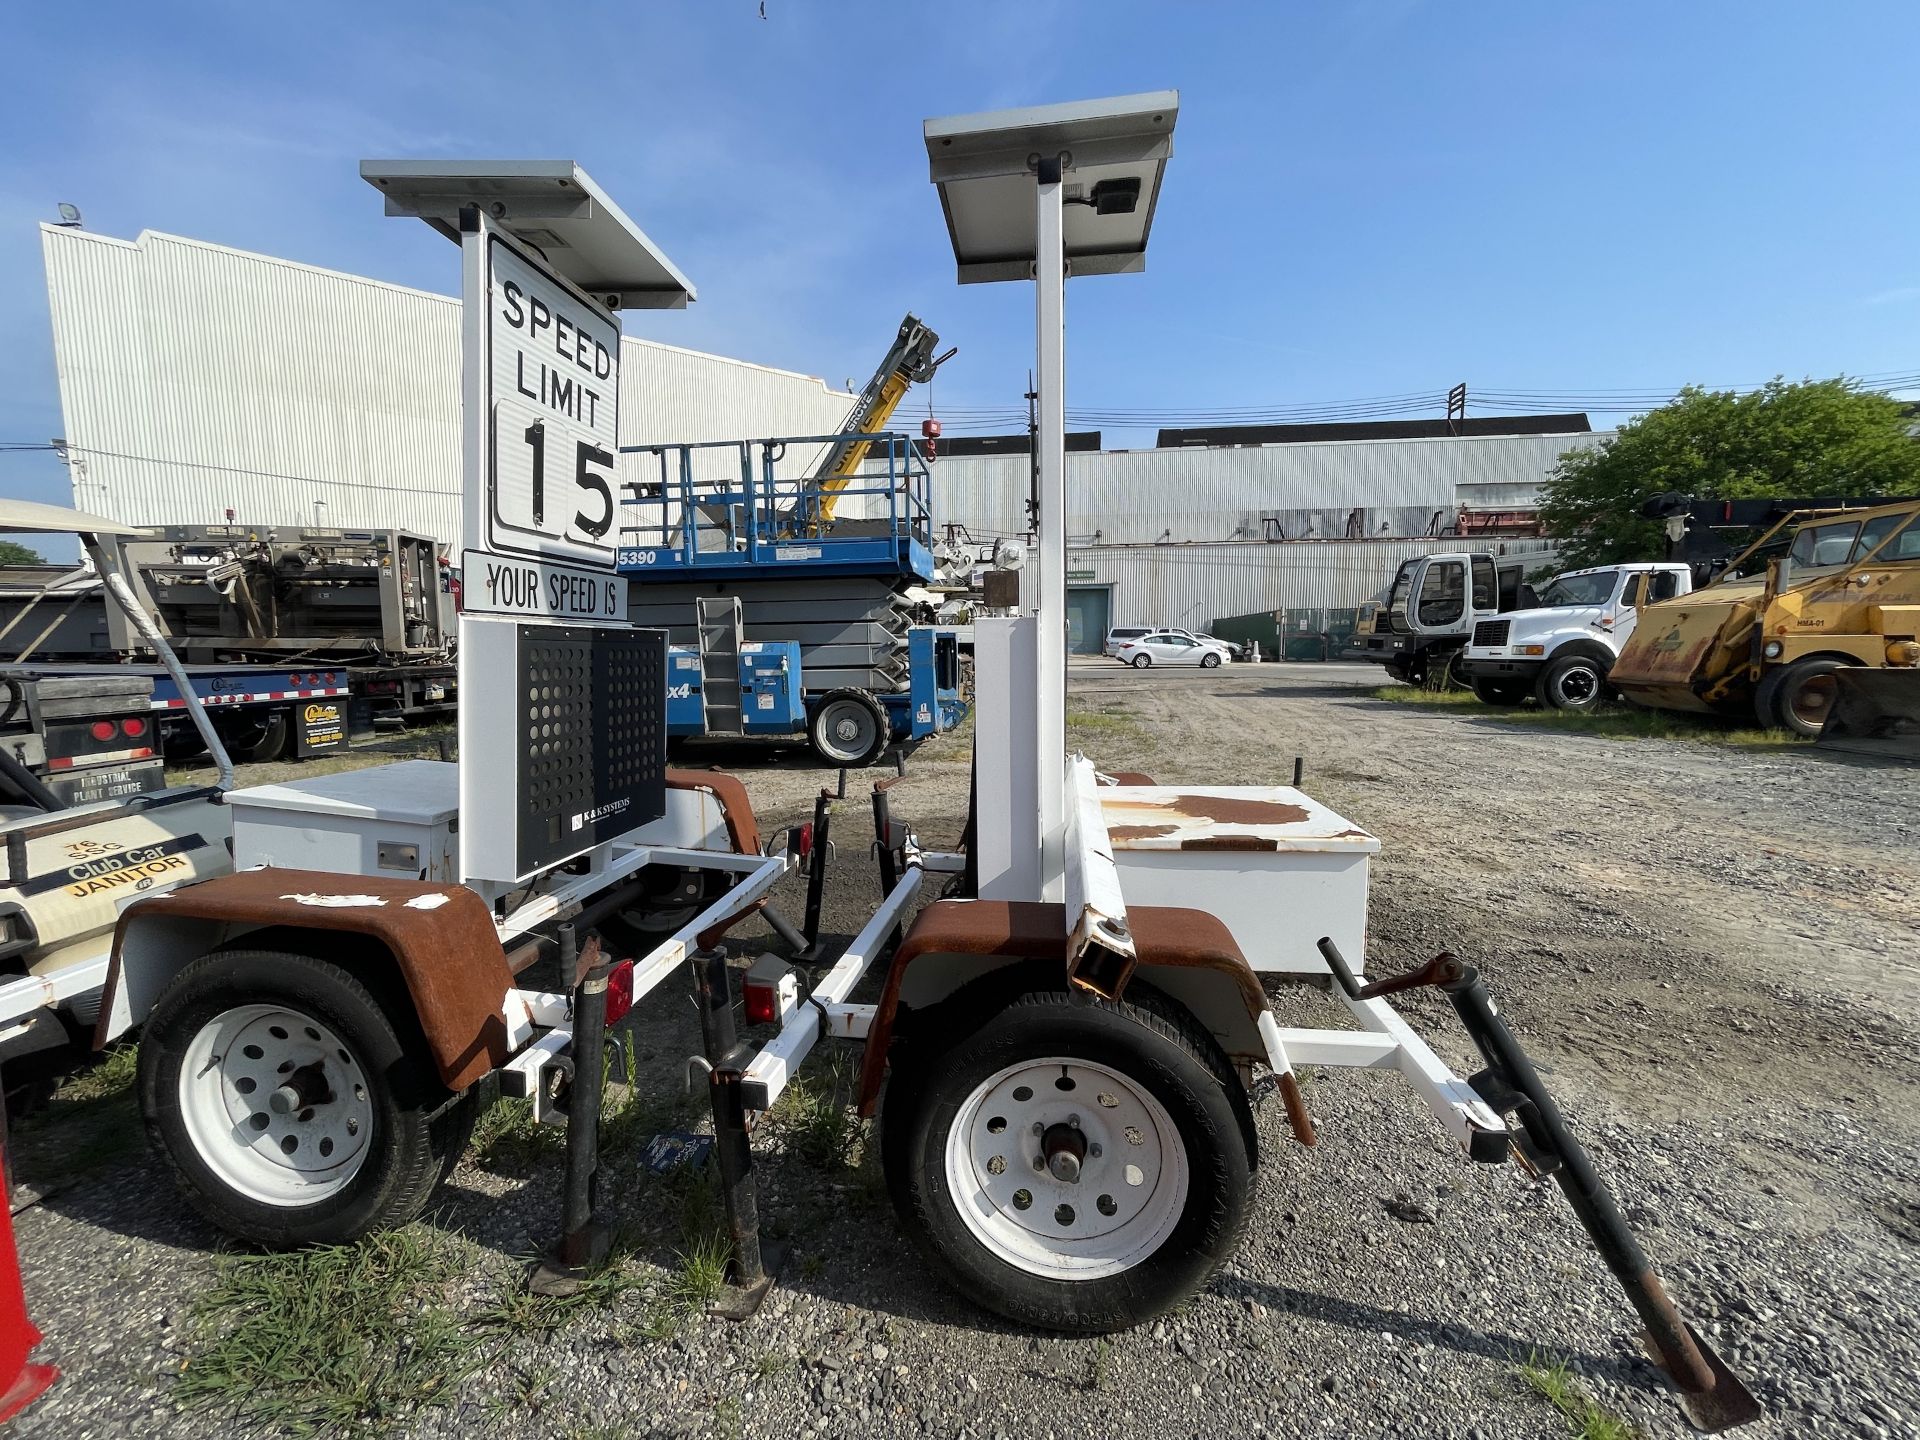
x=848, y=729
x=1132, y=1186
x=233, y=1068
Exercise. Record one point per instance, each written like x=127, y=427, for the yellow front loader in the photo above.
x=1818, y=594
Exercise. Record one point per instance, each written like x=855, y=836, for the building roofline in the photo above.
x=147, y=238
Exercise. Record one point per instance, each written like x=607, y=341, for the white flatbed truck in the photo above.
x=1066, y=1046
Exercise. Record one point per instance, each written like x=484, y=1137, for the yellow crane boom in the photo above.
x=909, y=361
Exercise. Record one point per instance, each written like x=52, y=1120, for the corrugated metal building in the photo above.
x=1319, y=583
x=1294, y=492
x=1189, y=536
x=196, y=378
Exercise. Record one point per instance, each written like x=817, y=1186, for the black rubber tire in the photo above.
x=258, y=740
x=1398, y=674
x=419, y=1127
x=180, y=743
x=1504, y=693
x=1210, y=661
x=835, y=704
x=1142, y=661
x=1161, y=1049
x=1415, y=669
x=1571, y=682
x=1797, y=698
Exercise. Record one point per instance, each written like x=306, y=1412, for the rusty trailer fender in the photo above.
x=441, y=940
x=1187, y=955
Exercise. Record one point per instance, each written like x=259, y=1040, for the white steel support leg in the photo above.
x=1050, y=447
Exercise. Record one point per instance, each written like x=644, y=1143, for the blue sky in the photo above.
x=1366, y=198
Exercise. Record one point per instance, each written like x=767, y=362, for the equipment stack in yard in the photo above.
x=795, y=591
x=316, y=1026
x=283, y=632
x=1818, y=598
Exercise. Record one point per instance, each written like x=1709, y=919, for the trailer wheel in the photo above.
x=1798, y=698
x=1501, y=692
x=1070, y=1164
x=1571, y=682
x=290, y=1103
x=850, y=727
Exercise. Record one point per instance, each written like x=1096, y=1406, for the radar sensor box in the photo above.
x=584, y=754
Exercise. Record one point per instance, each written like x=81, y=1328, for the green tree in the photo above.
x=12, y=552
x=1817, y=438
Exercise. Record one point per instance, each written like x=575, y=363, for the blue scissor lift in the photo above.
x=787, y=597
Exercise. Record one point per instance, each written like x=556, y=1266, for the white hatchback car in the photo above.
x=1167, y=647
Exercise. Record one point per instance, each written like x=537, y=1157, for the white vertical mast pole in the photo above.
x=1050, y=441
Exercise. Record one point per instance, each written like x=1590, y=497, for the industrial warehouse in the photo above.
x=1207, y=526
x=790, y=775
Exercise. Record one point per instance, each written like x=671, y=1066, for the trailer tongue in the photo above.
x=1713, y=1397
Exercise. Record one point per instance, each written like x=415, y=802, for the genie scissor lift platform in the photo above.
x=791, y=553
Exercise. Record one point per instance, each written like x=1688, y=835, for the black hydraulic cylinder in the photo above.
x=883, y=847
x=731, y=1146
x=1589, y=1197
x=817, y=876
x=583, y=1106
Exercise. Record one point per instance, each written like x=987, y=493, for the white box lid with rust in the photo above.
x=1226, y=817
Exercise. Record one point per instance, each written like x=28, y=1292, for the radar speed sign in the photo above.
x=554, y=385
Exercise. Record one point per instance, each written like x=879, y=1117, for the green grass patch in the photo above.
x=343, y=1338
x=1105, y=729
x=355, y=1339
x=507, y=1137
x=700, y=1271
x=109, y=1078
x=1619, y=722
x=815, y=1112
x=1586, y=1420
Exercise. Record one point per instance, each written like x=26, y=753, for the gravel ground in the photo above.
x=1714, y=954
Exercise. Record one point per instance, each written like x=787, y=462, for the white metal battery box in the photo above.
x=1277, y=867
x=396, y=820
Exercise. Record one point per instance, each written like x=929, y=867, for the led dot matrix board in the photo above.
x=576, y=732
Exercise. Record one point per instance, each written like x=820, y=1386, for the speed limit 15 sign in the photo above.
x=554, y=388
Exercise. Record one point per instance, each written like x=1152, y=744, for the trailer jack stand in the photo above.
x=584, y=1239
x=1711, y=1396
x=752, y=1265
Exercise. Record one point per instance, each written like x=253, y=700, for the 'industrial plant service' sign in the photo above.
x=553, y=397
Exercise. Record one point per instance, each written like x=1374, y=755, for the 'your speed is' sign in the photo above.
x=554, y=385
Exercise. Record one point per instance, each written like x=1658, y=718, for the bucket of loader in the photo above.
x=1875, y=712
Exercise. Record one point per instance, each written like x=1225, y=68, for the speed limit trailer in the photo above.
x=1062, y=1047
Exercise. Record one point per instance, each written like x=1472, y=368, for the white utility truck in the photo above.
x=1067, y=1039
x=1559, y=650
x=1430, y=611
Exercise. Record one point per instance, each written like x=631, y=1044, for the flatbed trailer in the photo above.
x=273, y=712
